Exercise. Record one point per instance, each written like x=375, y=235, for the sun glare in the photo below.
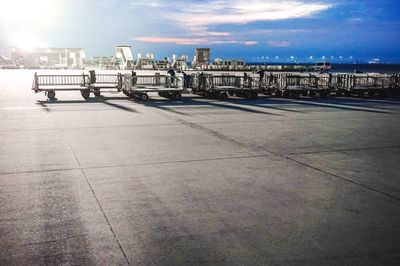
x=27, y=11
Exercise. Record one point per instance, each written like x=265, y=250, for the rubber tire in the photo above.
x=177, y=96
x=311, y=94
x=85, y=94
x=231, y=93
x=144, y=97
x=285, y=94
x=278, y=93
x=295, y=95
x=254, y=95
x=51, y=95
x=223, y=96
x=96, y=92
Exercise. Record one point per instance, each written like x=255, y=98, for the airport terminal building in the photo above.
x=60, y=58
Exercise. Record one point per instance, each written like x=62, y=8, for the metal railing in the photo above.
x=59, y=81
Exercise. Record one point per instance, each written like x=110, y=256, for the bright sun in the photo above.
x=25, y=20
x=27, y=11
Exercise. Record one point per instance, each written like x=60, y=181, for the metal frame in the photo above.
x=220, y=86
x=49, y=84
x=139, y=86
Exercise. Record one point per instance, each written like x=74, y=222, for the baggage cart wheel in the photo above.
x=347, y=93
x=338, y=93
x=295, y=95
x=278, y=93
x=254, y=95
x=223, y=96
x=311, y=94
x=231, y=93
x=247, y=95
x=144, y=97
x=96, y=92
x=85, y=94
x=285, y=94
x=177, y=96
x=51, y=94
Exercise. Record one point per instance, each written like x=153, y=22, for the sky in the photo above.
x=253, y=30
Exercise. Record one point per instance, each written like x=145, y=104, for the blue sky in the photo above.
x=245, y=29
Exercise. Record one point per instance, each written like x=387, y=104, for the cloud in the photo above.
x=247, y=11
x=190, y=41
x=279, y=44
x=250, y=43
x=199, y=18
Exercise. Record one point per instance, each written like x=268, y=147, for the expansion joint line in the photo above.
x=101, y=208
x=243, y=143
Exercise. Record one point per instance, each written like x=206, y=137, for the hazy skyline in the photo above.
x=232, y=29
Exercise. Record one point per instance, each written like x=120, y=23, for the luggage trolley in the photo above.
x=98, y=82
x=395, y=84
x=221, y=86
x=269, y=83
x=167, y=86
x=294, y=85
x=360, y=84
x=49, y=84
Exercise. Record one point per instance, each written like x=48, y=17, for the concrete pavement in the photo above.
x=112, y=181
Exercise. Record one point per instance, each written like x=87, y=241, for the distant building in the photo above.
x=49, y=57
x=202, y=57
x=229, y=62
x=145, y=63
x=162, y=64
x=6, y=63
x=123, y=57
x=180, y=63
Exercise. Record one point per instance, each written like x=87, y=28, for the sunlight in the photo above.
x=25, y=11
x=26, y=41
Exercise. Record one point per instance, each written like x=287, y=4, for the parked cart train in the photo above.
x=85, y=83
x=221, y=86
x=167, y=86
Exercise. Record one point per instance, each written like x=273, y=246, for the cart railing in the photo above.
x=59, y=81
x=142, y=81
x=201, y=81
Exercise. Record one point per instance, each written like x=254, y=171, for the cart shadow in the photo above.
x=371, y=105
x=268, y=102
x=101, y=99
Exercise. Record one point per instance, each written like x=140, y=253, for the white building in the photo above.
x=49, y=57
x=124, y=58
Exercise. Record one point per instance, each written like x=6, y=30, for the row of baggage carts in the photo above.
x=220, y=85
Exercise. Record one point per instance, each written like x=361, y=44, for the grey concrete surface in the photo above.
x=113, y=181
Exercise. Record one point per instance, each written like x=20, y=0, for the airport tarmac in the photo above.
x=114, y=181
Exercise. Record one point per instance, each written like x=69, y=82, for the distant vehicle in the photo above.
x=374, y=61
x=322, y=66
